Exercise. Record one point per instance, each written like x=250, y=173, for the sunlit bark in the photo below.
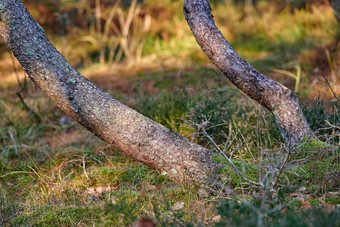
x=278, y=99
x=136, y=135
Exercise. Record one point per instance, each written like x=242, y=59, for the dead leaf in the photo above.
x=178, y=206
x=144, y=222
x=100, y=190
x=305, y=204
x=217, y=218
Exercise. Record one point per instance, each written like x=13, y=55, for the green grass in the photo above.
x=242, y=213
x=57, y=174
x=44, y=185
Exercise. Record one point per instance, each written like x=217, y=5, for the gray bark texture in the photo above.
x=278, y=99
x=136, y=135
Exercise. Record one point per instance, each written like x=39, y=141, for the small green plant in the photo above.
x=120, y=212
x=257, y=213
x=58, y=216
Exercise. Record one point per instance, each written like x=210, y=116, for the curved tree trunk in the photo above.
x=147, y=141
x=278, y=99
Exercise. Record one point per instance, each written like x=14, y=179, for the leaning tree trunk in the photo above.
x=278, y=99
x=147, y=141
x=136, y=135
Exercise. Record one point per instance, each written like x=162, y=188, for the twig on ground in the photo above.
x=330, y=87
x=84, y=166
x=201, y=127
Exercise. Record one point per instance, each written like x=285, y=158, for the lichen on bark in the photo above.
x=278, y=99
x=136, y=135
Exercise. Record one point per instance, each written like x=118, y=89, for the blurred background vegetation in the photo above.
x=113, y=37
x=54, y=172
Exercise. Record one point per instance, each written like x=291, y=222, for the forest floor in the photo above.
x=54, y=172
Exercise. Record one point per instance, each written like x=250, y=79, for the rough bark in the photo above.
x=147, y=141
x=278, y=99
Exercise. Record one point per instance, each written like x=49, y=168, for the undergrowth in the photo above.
x=53, y=172
x=83, y=180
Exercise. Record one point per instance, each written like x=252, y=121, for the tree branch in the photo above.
x=147, y=141
x=278, y=99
